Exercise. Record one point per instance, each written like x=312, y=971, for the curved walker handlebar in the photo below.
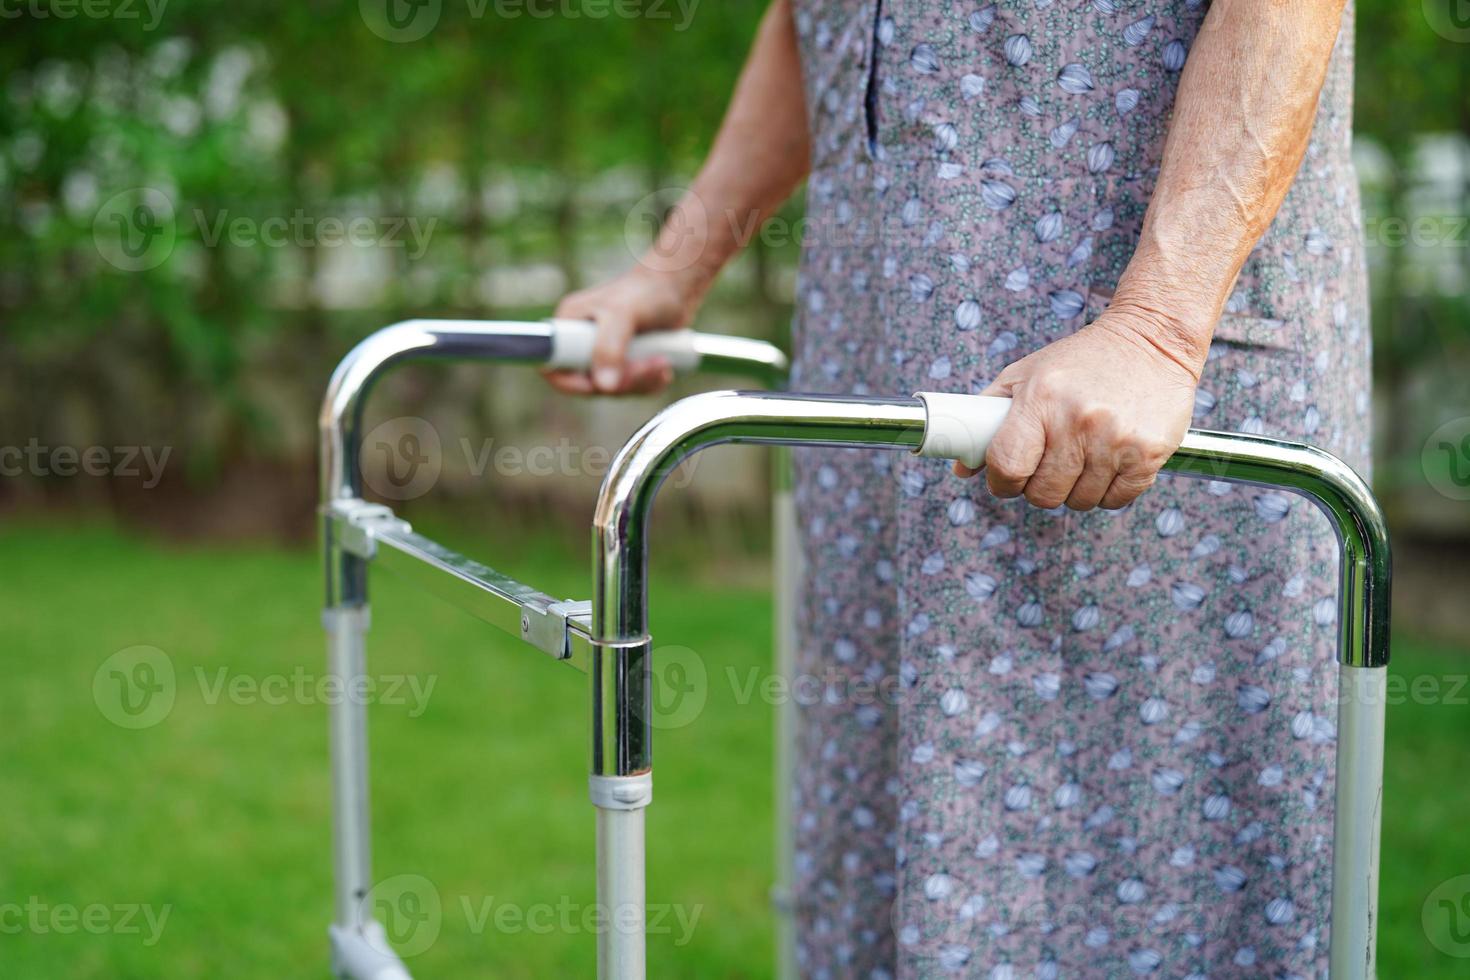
x=549, y=343
x=961, y=426
x=951, y=426
x=553, y=343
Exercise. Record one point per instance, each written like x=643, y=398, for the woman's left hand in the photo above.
x=1094, y=416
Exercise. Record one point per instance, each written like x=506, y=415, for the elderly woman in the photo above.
x=1111, y=751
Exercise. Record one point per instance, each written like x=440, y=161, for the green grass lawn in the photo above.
x=218, y=814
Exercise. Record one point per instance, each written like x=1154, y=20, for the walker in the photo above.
x=607, y=637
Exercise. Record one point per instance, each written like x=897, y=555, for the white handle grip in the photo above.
x=571, y=346
x=960, y=426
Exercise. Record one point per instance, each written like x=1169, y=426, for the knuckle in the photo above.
x=1044, y=497
x=1000, y=486
x=1081, y=501
x=1004, y=463
x=1139, y=454
x=1157, y=452
x=1096, y=418
x=1047, y=385
x=1152, y=450
x=1136, y=488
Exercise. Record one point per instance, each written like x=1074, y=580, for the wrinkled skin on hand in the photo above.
x=635, y=302
x=1094, y=416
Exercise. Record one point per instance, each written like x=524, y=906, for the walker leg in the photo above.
x=620, y=802
x=787, y=575
x=360, y=949
x=621, y=786
x=1359, y=814
x=351, y=841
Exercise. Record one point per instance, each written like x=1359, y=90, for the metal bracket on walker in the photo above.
x=373, y=532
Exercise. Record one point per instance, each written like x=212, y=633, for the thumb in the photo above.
x=610, y=349
x=999, y=388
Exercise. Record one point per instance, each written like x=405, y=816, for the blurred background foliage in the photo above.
x=503, y=157
x=500, y=160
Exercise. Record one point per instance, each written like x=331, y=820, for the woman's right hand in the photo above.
x=638, y=301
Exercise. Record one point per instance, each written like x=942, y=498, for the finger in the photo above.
x=1003, y=384
x=570, y=382
x=610, y=349
x=1125, y=489
x=1057, y=473
x=1014, y=454
x=1097, y=475
x=1001, y=388
x=575, y=306
x=647, y=376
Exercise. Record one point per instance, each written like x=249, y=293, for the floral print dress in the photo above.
x=1051, y=744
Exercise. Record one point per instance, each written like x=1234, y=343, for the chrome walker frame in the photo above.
x=613, y=627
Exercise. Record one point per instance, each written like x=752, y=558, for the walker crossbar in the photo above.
x=356, y=533
x=621, y=658
x=371, y=531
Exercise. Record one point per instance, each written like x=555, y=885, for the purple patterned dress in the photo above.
x=1051, y=744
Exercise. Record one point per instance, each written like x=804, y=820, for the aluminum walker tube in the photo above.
x=960, y=427
x=358, y=946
